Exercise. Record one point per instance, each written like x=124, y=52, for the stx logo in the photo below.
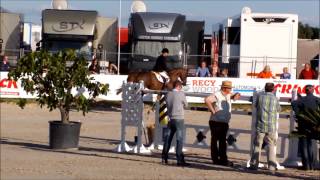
x=158, y=25
x=6, y=83
x=65, y=26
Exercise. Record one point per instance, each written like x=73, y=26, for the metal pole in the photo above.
x=119, y=25
x=319, y=67
x=253, y=122
x=292, y=159
x=158, y=131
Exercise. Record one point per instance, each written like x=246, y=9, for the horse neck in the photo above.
x=174, y=75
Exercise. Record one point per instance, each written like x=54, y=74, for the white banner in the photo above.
x=246, y=86
x=12, y=89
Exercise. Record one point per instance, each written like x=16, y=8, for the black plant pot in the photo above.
x=64, y=136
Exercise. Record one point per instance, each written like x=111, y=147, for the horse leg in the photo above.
x=169, y=85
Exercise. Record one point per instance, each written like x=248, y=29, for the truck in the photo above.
x=245, y=43
x=31, y=36
x=11, y=35
x=81, y=30
x=150, y=32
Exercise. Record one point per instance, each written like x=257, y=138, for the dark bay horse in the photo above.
x=151, y=81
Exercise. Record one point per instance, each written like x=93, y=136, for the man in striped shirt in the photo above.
x=267, y=106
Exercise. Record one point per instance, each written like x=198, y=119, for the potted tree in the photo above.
x=52, y=77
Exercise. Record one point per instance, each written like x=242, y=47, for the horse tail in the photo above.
x=132, y=77
x=119, y=91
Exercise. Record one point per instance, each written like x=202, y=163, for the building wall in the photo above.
x=307, y=50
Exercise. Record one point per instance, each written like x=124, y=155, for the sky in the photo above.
x=210, y=11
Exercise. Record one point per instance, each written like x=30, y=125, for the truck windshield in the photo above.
x=79, y=46
x=153, y=48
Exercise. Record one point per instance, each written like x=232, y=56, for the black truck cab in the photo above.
x=149, y=33
x=73, y=29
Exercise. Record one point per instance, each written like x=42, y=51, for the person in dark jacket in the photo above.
x=94, y=68
x=161, y=63
x=4, y=65
x=305, y=143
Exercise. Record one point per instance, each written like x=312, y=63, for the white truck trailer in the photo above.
x=247, y=42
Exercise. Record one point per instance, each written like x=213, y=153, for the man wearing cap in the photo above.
x=219, y=104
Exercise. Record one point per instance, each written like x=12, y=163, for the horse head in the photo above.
x=179, y=73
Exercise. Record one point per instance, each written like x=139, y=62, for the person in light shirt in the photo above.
x=219, y=104
x=285, y=74
x=203, y=71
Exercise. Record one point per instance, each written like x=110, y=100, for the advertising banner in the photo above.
x=246, y=87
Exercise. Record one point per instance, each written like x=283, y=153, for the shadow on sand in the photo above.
x=155, y=158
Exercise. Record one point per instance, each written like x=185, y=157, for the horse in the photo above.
x=151, y=82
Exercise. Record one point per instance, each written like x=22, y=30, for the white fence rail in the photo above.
x=287, y=150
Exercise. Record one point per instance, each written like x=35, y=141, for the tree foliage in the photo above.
x=307, y=32
x=52, y=76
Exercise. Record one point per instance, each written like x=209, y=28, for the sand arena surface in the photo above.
x=25, y=153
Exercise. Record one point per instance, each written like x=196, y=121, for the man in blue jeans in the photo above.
x=305, y=143
x=176, y=102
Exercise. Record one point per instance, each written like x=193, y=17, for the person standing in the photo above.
x=305, y=143
x=267, y=106
x=176, y=102
x=219, y=104
x=203, y=70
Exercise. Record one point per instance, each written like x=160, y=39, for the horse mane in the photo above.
x=176, y=70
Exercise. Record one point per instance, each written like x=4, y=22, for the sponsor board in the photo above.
x=13, y=89
x=246, y=87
